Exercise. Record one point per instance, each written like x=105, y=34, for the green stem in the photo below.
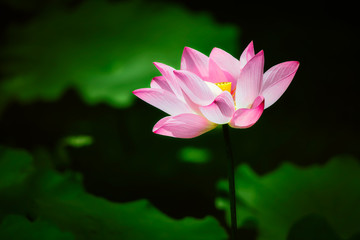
x=231, y=167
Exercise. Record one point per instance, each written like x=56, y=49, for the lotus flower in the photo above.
x=219, y=89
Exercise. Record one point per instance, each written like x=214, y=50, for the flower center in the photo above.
x=225, y=86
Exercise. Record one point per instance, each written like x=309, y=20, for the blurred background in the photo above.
x=78, y=159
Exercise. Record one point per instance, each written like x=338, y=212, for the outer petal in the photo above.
x=195, y=62
x=249, y=84
x=247, y=54
x=245, y=118
x=161, y=83
x=162, y=100
x=168, y=74
x=276, y=81
x=197, y=90
x=183, y=126
x=221, y=110
x=226, y=62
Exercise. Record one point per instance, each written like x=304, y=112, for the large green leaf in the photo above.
x=60, y=200
x=63, y=200
x=104, y=50
x=15, y=167
x=20, y=228
x=279, y=199
x=313, y=227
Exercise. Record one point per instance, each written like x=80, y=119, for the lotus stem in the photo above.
x=231, y=177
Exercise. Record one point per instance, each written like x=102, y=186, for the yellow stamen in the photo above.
x=225, y=86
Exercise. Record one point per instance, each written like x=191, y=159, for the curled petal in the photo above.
x=168, y=74
x=247, y=54
x=226, y=62
x=195, y=62
x=183, y=126
x=215, y=90
x=249, y=84
x=194, y=106
x=221, y=110
x=162, y=100
x=197, y=90
x=245, y=118
x=161, y=83
x=276, y=81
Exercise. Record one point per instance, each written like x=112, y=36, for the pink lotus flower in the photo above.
x=214, y=90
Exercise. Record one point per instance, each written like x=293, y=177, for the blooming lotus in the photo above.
x=219, y=89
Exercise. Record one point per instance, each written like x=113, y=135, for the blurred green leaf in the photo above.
x=61, y=200
x=194, y=155
x=78, y=141
x=20, y=228
x=64, y=202
x=279, y=199
x=312, y=227
x=16, y=170
x=15, y=167
x=104, y=50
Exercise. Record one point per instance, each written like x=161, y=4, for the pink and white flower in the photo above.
x=219, y=89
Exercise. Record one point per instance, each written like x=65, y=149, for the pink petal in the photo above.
x=245, y=118
x=221, y=110
x=194, y=106
x=162, y=100
x=161, y=83
x=226, y=62
x=276, y=81
x=197, y=90
x=183, y=126
x=195, y=62
x=247, y=54
x=168, y=74
x=249, y=84
x=217, y=75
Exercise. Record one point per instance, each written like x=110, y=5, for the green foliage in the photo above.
x=59, y=201
x=313, y=227
x=15, y=166
x=279, y=199
x=194, y=155
x=78, y=141
x=104, y=50
x=20, y=228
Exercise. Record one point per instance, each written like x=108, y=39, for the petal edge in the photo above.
x=249, y=84
x=162, y=100
x=195, y=87
x=195, y=62
x=221, y=110
x=245, y=118
x=185, y=125
x=277, y=79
